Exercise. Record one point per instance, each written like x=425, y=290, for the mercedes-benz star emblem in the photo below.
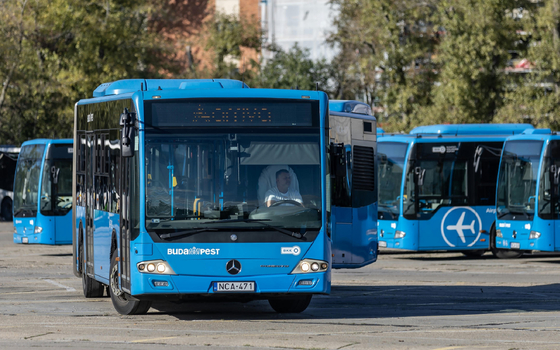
x=233, y=267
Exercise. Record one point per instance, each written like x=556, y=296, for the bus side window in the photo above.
x=113, y=170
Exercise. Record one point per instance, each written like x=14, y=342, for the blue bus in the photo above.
x=207, y=189
x=437, y=186
x=528, y=195
x=353, y=141
x=8, y=161
x=42, y=207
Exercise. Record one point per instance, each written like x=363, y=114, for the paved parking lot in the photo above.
x=404, y=301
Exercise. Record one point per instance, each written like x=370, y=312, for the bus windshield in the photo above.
x=549, y=188
x=391, y=156
x=517, y=183
x=26, y=186
x=56, y=187
x=436, y=176
x=211, y=182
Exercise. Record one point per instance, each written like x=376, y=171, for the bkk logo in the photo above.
x=193, y=251
x=461, y=222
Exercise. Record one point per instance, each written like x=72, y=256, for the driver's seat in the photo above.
x=267, y=180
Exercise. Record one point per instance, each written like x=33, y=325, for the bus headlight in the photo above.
x=310, y=265
x=499, y=233
x=534, y=235
x=156, y=267
x=38, y=229
x=400, y=234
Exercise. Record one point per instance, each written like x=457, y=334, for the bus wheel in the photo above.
x=123, y=305
x=92, y=288
x=6, y=210
x=474, y=253
x=293, y=305
x=506, y=254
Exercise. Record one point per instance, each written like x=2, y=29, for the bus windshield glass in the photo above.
x=391, y=157
x=202, y=184
x=26, y=189
x=436, y=176
x=549, y=188
x=517, y=183
x=56, y=186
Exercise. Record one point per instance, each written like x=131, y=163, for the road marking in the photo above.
x=68, y=289
x=152, y=339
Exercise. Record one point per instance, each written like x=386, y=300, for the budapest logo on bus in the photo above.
x=463, y=223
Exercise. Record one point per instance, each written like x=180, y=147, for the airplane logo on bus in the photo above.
x=462, y=222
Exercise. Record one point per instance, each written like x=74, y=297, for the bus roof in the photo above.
x=536, y=134
x=472, y=129
x=46, y=141
x=132, y=85
x=438, y=138
x=351, y=108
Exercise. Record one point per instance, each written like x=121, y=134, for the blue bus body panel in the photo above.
x=549, y=241
x=442, y=231
x=56, y=229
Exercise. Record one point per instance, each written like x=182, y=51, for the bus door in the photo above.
x=90, y=202
x=61, y=174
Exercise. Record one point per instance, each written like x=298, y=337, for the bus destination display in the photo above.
x=181, y=113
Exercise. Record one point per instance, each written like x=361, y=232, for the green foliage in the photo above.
x=293, y=69
x=386, y=48
x=473, y=55
x=535, y=96
x=56, y=52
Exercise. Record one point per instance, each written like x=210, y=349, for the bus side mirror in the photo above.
x=128, y=133
x=55, y=171
x=420, y=175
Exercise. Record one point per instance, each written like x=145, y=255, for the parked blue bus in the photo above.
x=437, y=186
x=189, y=189
x=8, y=160
x=353, y=140
x=42, y=207
x=528, y=196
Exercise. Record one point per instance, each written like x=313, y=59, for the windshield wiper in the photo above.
x=260, y=221
x=184, y=233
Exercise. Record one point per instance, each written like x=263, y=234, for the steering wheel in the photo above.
x=286, y=201
x=67, y=205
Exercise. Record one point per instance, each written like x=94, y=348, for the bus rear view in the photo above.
x=43, y=192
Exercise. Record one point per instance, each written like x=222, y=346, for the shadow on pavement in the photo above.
x=357, y=302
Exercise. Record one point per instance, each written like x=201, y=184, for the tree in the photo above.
x=293, y=69
x=535, y=96
x=57, y=52
x=478, y=37
x=386, y=48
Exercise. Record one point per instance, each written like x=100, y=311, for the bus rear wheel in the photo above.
x=292, y=305
x=506, y=254
x=92, y=288
x=121, y=303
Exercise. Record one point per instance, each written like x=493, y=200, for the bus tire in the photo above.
x=92, y=288
x=123, y=305
x=474, y=253
x=501, y=253
x=6, y=209
x=291, y=305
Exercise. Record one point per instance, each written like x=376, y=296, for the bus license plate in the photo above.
x=383, y=244
x=25, y=240
x=234, y=286
x=515, y=245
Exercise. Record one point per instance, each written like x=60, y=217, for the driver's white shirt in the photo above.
x=275, y=195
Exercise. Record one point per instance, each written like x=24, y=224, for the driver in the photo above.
x=282, y=191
